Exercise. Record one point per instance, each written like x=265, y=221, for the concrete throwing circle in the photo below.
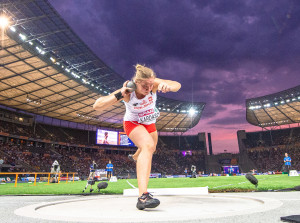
x=112, y=208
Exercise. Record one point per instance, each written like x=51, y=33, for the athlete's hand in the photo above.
x=125, y=90
x=163, y=87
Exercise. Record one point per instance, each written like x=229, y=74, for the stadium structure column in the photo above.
x=209, y=143
x=202, y=140
x=241, y=135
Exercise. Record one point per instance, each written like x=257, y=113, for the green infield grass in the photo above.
x=215, y=184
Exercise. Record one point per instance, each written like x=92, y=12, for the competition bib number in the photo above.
x=148, y=115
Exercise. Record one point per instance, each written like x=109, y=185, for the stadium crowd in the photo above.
x=267, y=149
x=33, y=158
x=33, y=155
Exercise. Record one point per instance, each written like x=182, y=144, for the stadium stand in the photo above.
x=267, y=148
x=36, y=152
x=264, y=150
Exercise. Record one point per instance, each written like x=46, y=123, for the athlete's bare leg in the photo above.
x=136, y=154
x=154, y=137
x=144, y=141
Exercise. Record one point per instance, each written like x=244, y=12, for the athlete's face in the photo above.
x=145, y=86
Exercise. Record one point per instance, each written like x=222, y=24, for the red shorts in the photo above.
x=130, y=125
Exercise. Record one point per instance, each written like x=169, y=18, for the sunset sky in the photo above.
x=222, y=52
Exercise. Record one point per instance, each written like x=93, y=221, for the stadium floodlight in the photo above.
x=192, y=111
x=12, y=29
x=3, y=21
x=23, y=37
x=52, y=59
x=288, y=100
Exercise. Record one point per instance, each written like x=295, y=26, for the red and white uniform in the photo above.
x=140, y=112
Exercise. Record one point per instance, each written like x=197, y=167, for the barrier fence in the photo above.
x=40, y=173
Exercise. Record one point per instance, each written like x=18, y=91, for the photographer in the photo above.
x=91, y=178
x=55, y=169
x=193, y=169
x=1, y=162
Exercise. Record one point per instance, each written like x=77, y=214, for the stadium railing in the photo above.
x=40, y=173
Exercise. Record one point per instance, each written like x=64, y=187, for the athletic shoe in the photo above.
x=91, y=190
x=147, y=201
x=130, y=156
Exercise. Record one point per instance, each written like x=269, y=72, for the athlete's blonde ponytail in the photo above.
x=143, y=72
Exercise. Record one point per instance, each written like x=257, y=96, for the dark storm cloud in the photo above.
x=229, y=120
x=211, y=34
x=227, y=49
x=210, y=111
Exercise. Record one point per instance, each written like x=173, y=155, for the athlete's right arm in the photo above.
x=118, y=95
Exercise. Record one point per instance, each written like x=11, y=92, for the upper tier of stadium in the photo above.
x=46, y=69
x=277, y=109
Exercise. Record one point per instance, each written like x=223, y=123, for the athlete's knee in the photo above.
x=149, y=147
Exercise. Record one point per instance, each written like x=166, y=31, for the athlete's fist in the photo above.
x=163, y=87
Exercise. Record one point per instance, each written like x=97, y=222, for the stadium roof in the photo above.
x=46, y=69
x=281, y=108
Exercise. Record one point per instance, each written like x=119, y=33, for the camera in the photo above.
x=95, y=165
x=193, y=168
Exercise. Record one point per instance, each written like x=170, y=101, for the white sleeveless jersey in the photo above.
x=141, y=110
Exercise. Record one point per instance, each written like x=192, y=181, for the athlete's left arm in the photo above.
x=164, y=86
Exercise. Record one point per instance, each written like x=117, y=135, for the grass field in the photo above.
x=215, y=184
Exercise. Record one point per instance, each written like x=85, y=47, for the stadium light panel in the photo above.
x=23, y=37
x=12, y=29
x=4, y=21
x=192, y=111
